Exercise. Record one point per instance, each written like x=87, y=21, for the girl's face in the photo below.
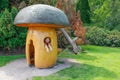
x=47, y=40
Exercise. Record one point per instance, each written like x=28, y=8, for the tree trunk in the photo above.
x=76, y=49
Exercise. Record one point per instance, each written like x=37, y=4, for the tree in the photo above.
x=22, y=5
x=4, y=4
x=84, y=8
x=6, y=28
x=11, y=36
x=105, y=13
x=14, y=12
x=75, y=23
x=15, y=3
x=113, y=20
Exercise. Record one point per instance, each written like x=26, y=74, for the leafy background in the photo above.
x=101, y=20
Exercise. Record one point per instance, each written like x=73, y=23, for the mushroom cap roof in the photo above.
x=41, y=14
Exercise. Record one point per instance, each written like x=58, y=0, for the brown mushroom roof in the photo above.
x=41, y=14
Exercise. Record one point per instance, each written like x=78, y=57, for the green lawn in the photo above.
x=5, y=59
x=96, y=63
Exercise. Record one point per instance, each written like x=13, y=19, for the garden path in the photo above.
x=19, y=70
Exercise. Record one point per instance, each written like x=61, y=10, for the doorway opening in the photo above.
x=31, y=52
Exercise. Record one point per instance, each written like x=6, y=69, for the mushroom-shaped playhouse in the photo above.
x=41, y=41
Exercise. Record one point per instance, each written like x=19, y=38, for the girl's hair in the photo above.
x=48, y=38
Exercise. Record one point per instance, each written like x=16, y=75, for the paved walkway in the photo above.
x=19, y=70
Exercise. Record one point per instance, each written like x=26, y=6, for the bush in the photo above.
x=102, y=37
x=4, y=4
x=10, y=35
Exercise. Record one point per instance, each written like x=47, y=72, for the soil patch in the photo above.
x=16, y=51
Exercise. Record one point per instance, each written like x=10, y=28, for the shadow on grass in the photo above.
x=86, y=72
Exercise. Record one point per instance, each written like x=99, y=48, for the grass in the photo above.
x=5, y=59
x=96, y=63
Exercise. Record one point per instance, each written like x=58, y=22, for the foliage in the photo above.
x=4, y=4
x=102, y=37
x=100, y=10
x=76, y=26
x=84, y=8
x=113, y=20
x=15, y=3
x=49, y=2
x=5, y=27
x=105, y=13
x=22, y=5
x=62, y=41
x=98, y=63
x=11, y=36
x=14, y=11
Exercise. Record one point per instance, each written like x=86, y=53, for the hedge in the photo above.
x=103, y=37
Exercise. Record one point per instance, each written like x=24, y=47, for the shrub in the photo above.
x=10, y=35
x=4, y=4
x=102, y=37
